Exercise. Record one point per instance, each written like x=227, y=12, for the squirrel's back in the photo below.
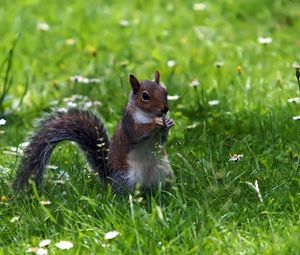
x=80, y=126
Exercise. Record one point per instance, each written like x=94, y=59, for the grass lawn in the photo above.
x=233, y=90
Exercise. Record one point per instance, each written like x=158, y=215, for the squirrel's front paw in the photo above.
x=168, y=123
x=159, y=121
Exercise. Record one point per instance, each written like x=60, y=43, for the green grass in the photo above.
x=211, y=208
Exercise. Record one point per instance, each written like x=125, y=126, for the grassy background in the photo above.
x=210, y=209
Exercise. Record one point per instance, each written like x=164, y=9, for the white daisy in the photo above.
x=219, y=64
x=84, y=80
x=236, y=157
x=79, y=79
x=171, y=98
x=296, y=65
x=295, y=100
x=14, y=219
x=42, y=26
x=111, y=235
x=296, y=117
x=213, y=102
x=44, y=243
x=36, y=250
x=264, y=40
x=41, y=251
x=199, y=7
x=171, y=63
x=124, y=23
x=45, y=202
x=70, y=42
x=64, y=245
x=194, y=83
x=2, y=122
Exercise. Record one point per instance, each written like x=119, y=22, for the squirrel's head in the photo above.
x=149, y=96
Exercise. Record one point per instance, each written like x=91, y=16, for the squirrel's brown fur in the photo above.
x=76, y=125
x=130, y=160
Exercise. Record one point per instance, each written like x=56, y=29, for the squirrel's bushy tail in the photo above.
x=79, y=126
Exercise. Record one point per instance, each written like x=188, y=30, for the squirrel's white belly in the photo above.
x=146, y=167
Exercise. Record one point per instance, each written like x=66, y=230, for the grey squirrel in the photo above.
x=130, y=160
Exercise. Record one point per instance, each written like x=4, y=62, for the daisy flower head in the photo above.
x=236, y=157
x=296, y=118
x=295, y=100
x=45, y=202
x=219, y=64
x=194, y=83
x=213, y=102
x=70, y=42
x=171, y=63
x=14, y=219
x=173, y=98
x=64, y=245
x=111, y=235
x=124, y=23
x=37, y=250
x=2, y=122
x=42, y=26
x=199, y=6
x=264, y=40
x=44, y=243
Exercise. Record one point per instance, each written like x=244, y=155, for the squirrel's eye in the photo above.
x=145, y=96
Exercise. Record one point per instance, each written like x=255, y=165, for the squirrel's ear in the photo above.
x=135, y=84
x=156, y=77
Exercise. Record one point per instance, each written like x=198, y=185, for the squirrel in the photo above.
x=130, y=160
